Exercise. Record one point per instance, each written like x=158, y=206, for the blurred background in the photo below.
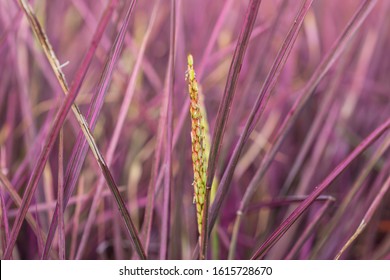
x=349, y=102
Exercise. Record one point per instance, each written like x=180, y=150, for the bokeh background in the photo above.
x=140, y=110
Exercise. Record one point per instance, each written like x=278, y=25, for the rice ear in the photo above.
x=198, y=141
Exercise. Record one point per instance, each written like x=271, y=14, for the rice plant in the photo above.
x=277, y=148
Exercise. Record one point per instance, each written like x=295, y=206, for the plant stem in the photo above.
x=223, y=112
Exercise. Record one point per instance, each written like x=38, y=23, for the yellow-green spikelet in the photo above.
x=198, y=142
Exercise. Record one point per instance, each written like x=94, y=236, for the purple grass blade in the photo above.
x=279, y=202
x=315, y=127
x=33, y=153
x=213, y=37
x=309, y=229
x=253, y=76
x=313, y=165
x=76, y=161
x=320, y=72
x=165, y=228
x=356, y=186
x=4, y=226
x=154, y=181
x=14, y=196
x=72, y=93
x=33, y=182
x=76, y=219
x=234, y=71
x=223, y=113
x=60, y=197
x=10, y=29
x=122, y=115
x=81, y=144
x=264, y=94
x=317, y=76
x=49, y=142
x=384, y=245
x=367, y=217
x=277, y=234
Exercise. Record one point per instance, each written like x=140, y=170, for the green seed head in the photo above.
x=190, y=60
